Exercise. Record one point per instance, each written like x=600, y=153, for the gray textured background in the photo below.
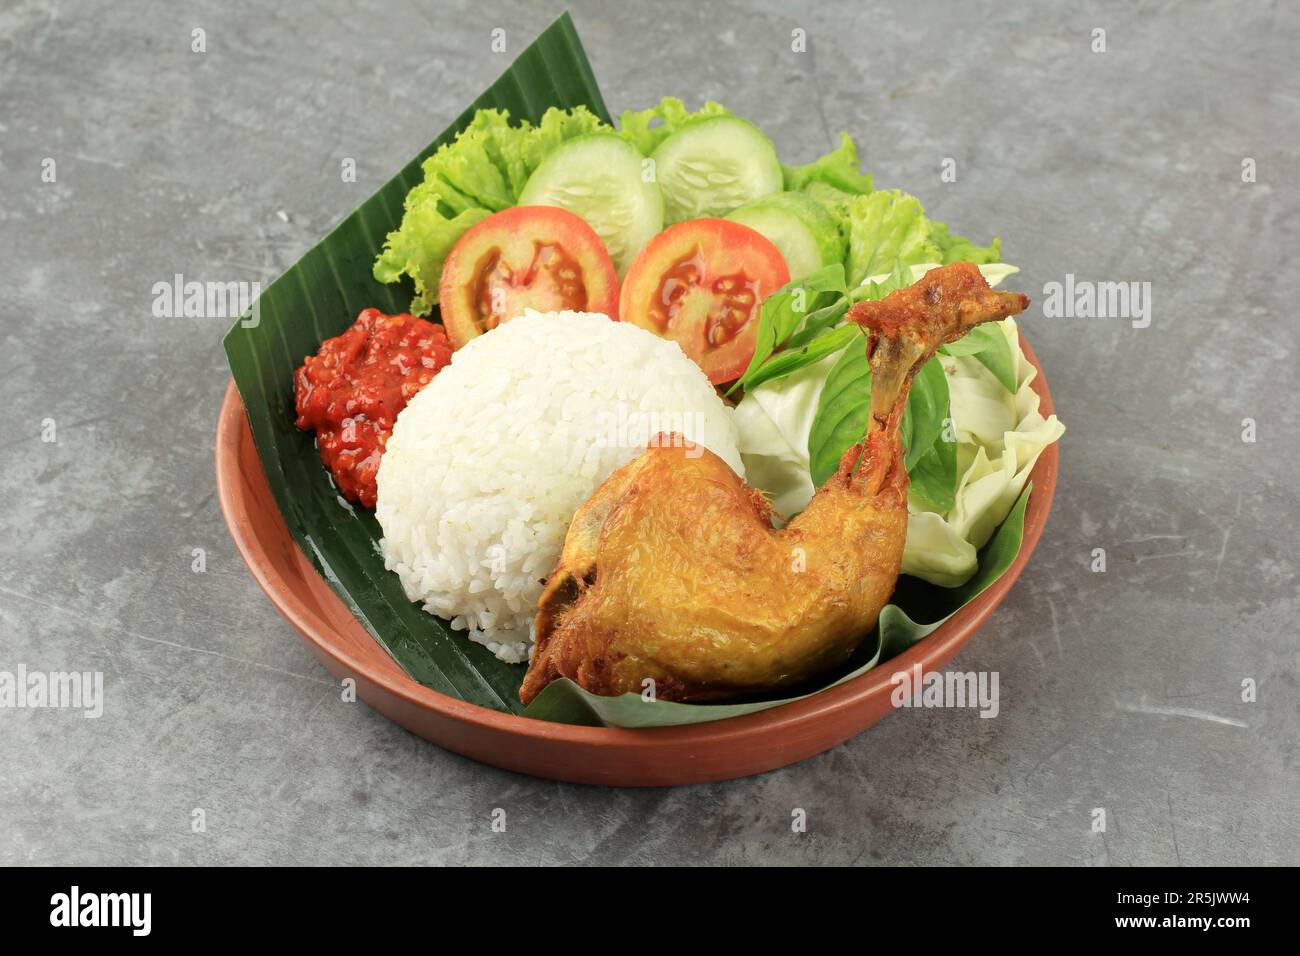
x=1120, y=690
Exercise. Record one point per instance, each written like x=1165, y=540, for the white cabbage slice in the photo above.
x=999, y=438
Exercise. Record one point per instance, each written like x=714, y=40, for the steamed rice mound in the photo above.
x=488, y=463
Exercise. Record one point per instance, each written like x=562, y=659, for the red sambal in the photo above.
x=350, y=392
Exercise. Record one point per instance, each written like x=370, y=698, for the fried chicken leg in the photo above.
x=673, y=572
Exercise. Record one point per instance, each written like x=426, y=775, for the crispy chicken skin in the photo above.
x=673, y=572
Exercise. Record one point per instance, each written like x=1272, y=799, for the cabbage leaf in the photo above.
x=963, y=482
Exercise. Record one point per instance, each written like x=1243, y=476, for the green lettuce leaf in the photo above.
x=960, y=249
x=832, y=181
x=646, y=129
x=480, y=172
x=420, y=246
x=834, y=200
x=838, y=169
x=468, y=168
x=555, y=127
x=887, y=227
x=891, y=225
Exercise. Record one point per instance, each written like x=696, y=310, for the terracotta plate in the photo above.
x=719, y=750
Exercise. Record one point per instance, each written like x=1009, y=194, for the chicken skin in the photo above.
x=673, y=573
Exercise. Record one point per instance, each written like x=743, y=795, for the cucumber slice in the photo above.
x=800, y=227
x=601, y=177
x=711, y=166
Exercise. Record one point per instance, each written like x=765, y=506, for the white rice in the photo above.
x=488, y=463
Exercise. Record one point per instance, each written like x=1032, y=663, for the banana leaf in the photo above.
x=319, y=296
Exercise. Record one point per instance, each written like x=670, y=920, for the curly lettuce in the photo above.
x=878, y=227
x=890, y=225
x=646, y=129
x=837, y=170
x=960, y=249
x=481, y=172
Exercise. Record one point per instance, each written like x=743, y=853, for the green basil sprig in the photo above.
x=807, y=307
x=991, y=348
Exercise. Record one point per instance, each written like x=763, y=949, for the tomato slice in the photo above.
x=701, y=283
x=528, y=257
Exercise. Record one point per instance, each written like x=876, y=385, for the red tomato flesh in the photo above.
x=701, y=283
x=538, y=257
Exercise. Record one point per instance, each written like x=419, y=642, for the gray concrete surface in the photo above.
x=1120, y=690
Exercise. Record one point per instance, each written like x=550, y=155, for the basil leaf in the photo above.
x=934, y=478
x=778, y=321
x=999, y=360
x=975, y=341
x=842, y=412
x=900, y=277
x=784, y=311
x=818, y=322
x=927, y=409
x=988, y=344
x=845, y=406
x=793, y=359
